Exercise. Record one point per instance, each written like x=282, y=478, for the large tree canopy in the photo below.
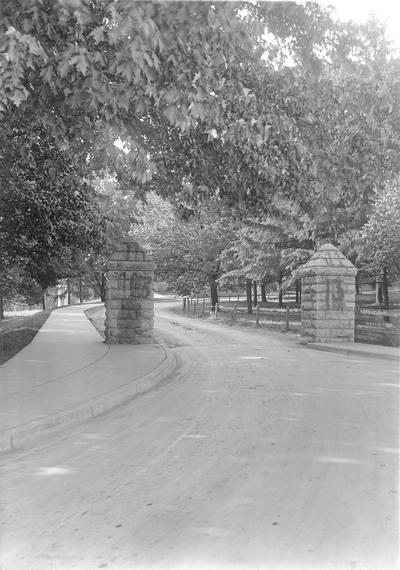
x=47, y=213
x=202, y=77
x=270, y=108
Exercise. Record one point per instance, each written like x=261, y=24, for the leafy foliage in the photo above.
x=380, y=236
x=264, y=109
x=47, y=215
x=187, y=252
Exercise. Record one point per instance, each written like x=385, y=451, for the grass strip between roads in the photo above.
x=96, y=316
x=17, y=332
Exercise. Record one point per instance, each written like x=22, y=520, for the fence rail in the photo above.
x=374, y=326
x=283, y=318
x=377, y=326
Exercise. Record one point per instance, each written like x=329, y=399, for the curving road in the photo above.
x=257, y=453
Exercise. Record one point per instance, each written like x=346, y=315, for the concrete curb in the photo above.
x=16, y=437
x=352, y=351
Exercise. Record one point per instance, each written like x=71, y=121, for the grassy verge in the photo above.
x=96, y=316
x=17, y=332
x=274, y=320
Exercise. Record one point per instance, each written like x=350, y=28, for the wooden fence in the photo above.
x=376, y=326
x=229, y=309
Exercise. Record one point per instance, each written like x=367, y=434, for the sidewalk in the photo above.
x=358, y=349
x=67, y=375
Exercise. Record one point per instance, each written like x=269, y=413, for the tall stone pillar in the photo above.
x=129, y=297
x=328, y=296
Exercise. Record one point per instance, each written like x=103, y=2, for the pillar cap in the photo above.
x=328, y=260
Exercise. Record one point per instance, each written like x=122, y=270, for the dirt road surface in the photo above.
x=257, y=453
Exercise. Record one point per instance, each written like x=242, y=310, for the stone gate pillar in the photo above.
x=328, y=296
x=129, y=297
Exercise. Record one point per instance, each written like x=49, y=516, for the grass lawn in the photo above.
x=18, y=331
x=96, y=316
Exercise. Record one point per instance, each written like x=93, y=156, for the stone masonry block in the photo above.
x=119, y=265
x=125, y=256
x=333, y=324
x=131, y=304
x=129, y=334
x=135, y=303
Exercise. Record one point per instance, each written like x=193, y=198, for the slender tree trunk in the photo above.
x=280, y=292
x=255, y=297
x=378, y=292
x=263, y=293
x=213, y=293
x=68, y=292
x=103, y=287
x=80, y=291
x=248, y=296
x=385, y=289
x=298, y=291
x=1, y=305
x=357, y=285
x=44, y=300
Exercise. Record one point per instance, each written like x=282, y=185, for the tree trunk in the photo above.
x=80, y=291
x=1, y=306
x=280, y=292
x=378, y=292
x=357, y=285
x=103, y=288
x=68, y=292
x=255, y=298
x=385, y=289
x=213, y=293
x=248, y=296
x=43, y=300
x=298, y=291
x=263, y=293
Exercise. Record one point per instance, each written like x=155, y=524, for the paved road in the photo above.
x=257, y=454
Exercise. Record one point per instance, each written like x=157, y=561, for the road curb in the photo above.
x=17, y=437
x=352, y=352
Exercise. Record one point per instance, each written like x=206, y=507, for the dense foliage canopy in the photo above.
x=264, y=109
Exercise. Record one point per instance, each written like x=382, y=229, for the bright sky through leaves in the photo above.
x=387, y=11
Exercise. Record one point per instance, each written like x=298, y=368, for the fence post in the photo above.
x=258, y=316
x=234, y=312
x=287, y=319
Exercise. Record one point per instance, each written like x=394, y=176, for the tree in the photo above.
x=47, y=216
x=117, y=212
x=380, y=238
x=138, y=70
x=265, y=252
x=187, y=251
x=247, y=105
x=351, y=127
